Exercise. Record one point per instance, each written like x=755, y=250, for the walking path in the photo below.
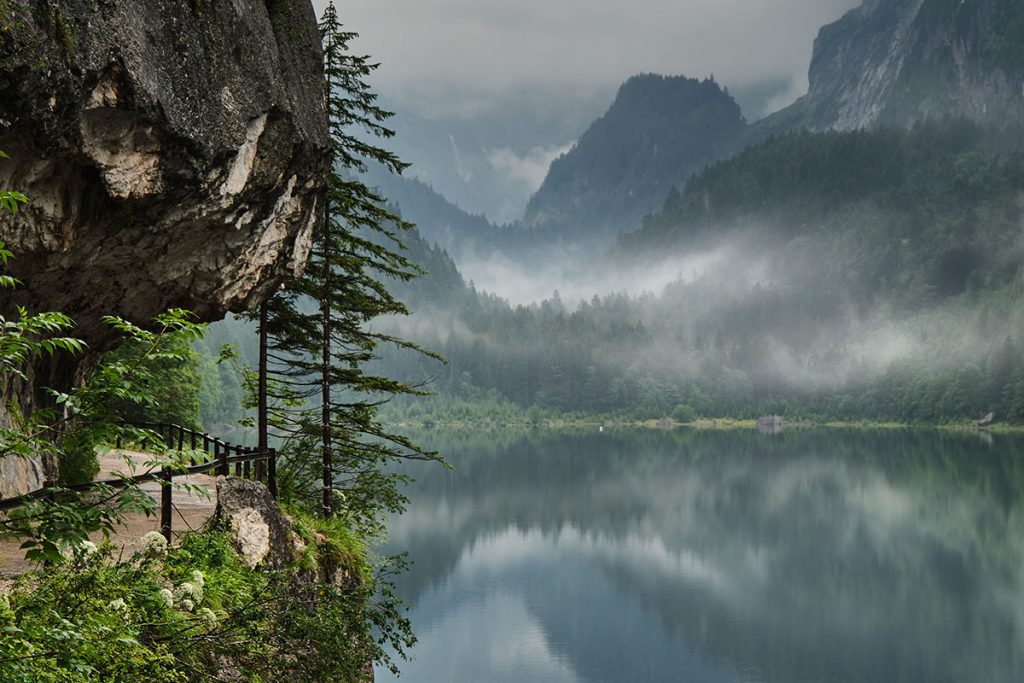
x=191, y=509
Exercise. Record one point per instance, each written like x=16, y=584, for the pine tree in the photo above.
x=322, y=403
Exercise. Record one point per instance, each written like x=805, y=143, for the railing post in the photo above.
x=272, y=473
x=247, y=466
x=165, y=503
x=222, y=457
x=238, y=465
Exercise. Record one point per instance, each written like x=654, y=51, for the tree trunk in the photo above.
x=325, y=377
x=261, y=394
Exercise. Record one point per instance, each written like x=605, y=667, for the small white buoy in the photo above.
x=601, y=428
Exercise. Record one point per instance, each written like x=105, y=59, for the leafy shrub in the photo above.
x=684, y=413
x=192, y=612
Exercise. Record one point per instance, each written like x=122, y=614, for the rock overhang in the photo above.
x=175, y=154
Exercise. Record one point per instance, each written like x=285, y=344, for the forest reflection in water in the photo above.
x=641, y=555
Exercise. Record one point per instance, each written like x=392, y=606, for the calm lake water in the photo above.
x=810, y=556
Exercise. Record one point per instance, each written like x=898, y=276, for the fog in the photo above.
x=731, y=318
x=527, y=169
x=570, y=275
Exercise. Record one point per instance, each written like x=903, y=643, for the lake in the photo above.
x=729, y=556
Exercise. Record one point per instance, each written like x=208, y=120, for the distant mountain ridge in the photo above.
x=885, y=63
x=898, y=62
x=438, y=220
x=657, y=132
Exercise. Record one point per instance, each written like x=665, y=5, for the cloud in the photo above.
x=525, y=169
x=492, y=46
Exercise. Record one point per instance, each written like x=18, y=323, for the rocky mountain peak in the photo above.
x=658, y=131
x=897, y=62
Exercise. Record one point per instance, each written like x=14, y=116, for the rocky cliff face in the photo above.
x=174, y=152
x=175, y=155
x=897, y=62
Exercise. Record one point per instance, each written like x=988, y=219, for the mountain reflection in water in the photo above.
x=832, y=555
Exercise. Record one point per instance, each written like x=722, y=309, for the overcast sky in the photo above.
x=494, y=46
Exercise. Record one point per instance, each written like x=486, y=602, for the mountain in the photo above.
x=658, y=131
x=908, y=216
x=848, y=274
x=489, y=157
x=897, y=62
x=438, y=220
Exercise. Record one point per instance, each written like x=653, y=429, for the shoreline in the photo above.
x=709, y=424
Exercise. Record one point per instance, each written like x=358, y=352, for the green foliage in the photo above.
x=193, y=612
x=684, y=414
x=330, y=543
x=158, y=371
x=29, y=336
x=77, y=423
x=91, y=416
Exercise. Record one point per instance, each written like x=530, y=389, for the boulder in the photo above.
x=261, y=533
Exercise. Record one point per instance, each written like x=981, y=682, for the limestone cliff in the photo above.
x=174, y=152
x=897, y=62
x=175, y=155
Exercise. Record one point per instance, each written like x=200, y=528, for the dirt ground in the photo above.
x=191, y=511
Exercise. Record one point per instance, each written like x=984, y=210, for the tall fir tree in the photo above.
x=314, y=393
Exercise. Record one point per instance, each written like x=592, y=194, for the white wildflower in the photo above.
x=167, y=596
x=208, y=616
x=188, y=591
x=187, y=605
x=118, y=605
x=79, y=552
x=198, y=579
x=152, y=543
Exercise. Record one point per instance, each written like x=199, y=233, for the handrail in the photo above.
x=222, y=460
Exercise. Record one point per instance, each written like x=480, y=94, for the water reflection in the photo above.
x=717, y=556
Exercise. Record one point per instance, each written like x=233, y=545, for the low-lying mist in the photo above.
x=730, y=328
x=575, y=274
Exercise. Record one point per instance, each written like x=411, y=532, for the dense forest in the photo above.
x=862, y=275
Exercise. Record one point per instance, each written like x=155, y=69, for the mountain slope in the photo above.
x=658, y=131
x=897, y=62
x=910, y=216
x=438, y=220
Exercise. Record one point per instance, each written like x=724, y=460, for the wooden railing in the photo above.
x=221, y=458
